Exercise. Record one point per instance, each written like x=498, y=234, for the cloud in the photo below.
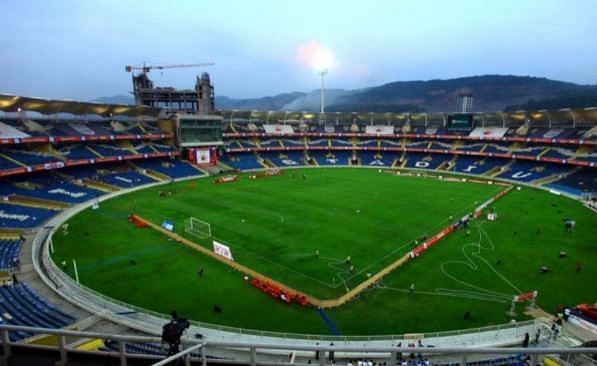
x=314, y=56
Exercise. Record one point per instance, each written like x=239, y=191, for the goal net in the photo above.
x=198, y=228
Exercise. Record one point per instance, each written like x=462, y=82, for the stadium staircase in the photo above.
x=404, y=160
x=153, y=148
x=160, y=177
x=583, y=150
x=37, y=202
x=544, y=152
x=516, y=146
x=101, y=186
x=483, y=147
x=12, y=160
x=266, y=163
x=450, y=164
x=443, y=165
x=10, y=234
x=223, y=166
x=500, y=169
x=396, y=161
x=200, y=170
x=93, y=151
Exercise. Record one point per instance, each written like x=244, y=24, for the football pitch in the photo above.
x=301, y=228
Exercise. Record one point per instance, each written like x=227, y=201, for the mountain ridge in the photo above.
x=491, y=93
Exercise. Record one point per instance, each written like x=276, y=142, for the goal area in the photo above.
x=198, y=228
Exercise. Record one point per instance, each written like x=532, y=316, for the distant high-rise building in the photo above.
x=465, y=103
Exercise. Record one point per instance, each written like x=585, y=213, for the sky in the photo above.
x=78, y=49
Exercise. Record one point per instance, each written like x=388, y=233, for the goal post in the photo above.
x=198, y=228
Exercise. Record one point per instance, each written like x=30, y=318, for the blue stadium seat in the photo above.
x=9, y=251
x=20, y=305
x=169, y=167
x=15, y=216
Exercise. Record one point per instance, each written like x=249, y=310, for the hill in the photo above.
x=491, y=93
x=274, y=103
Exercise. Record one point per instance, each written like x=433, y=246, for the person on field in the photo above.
x=200, y=271
x=577, y=267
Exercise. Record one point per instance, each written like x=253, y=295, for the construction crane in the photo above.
x=146, y=68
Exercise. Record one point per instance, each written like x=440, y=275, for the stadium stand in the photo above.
x=9, y=251
x=171, y=167
x=27, y=157
x=526, y=171
x=577, y=183
x=20, y=305
x=286, y=158
x=126, y=179
x=242, y=161
x=425, y=161
x=53, y=189
x=16, y=216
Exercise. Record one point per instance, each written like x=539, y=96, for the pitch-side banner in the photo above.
x=223, y=250
x=203, y=156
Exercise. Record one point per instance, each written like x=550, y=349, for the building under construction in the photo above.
x=192, y=101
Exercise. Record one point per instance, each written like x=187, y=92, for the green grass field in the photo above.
x=275, y=225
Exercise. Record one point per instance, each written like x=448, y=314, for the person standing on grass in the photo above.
x=577, y=267
x=200, y=271
x=412, y=287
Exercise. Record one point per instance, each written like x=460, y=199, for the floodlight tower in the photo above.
x=323, y=72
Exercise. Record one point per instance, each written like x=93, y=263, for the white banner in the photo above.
x=203, y=156
x=223, y=250
x=285, y=129
x=488, y=132
x=9, y=132
x=379, y=130
x=82, y=129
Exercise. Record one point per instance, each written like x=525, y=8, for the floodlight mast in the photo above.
x=323, y=73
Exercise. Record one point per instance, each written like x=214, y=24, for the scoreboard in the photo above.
x=460, y=121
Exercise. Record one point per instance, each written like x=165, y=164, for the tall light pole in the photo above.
x=323, y=73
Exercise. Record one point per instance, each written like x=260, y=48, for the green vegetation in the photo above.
x=275, y=225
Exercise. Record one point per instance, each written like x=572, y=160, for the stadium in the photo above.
x=428, y=198
x=351, y=228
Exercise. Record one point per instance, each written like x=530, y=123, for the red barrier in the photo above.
x=135, y=221
x=278, y=293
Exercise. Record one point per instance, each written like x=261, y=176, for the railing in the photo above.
x=301, y=354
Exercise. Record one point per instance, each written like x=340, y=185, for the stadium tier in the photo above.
x=21, y=305
x=9, y=251
x=17, y=216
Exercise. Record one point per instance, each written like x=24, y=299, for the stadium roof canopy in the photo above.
x=12, y=103
x=587, y=116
